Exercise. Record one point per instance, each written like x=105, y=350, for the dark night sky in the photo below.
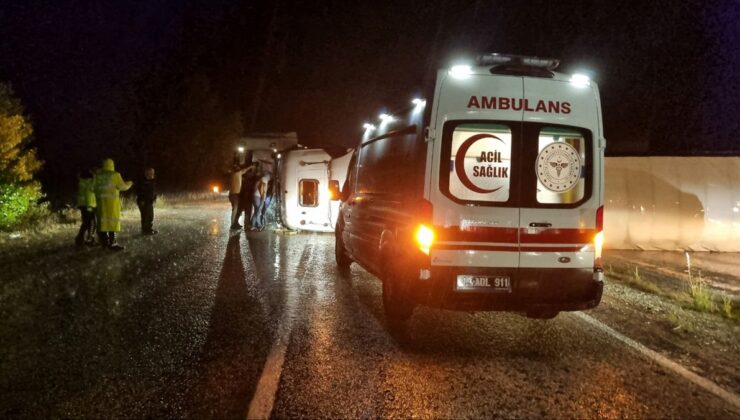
x=98, y=77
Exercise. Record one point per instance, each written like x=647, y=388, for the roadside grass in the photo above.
x=128, y=202
x=702, y=297
x=168, y=200
x=696, y=296
x=680, y=321
x=633, y=278
x=726, y=305
x=41, y=219
x=645, y=285
x=705, y=300
x=172, y=199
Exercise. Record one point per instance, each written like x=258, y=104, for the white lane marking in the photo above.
x=264, y=396
x=667, y=363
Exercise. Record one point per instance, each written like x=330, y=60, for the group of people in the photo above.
x=250, y=193
x=99, y=201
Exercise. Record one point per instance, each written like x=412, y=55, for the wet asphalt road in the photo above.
x=181, y=325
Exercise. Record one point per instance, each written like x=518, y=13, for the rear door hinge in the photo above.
x=429, y=134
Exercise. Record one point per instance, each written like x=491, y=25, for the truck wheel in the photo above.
x=343, y=260
x=398, y=304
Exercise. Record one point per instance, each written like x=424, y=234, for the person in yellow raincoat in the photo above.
x=108, y=183
x=86, y=203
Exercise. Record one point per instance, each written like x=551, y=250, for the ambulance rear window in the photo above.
x=561, y=166
x=480, y=163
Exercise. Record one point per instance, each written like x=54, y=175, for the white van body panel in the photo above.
x=567, y=243
x=451, y=99
x=584, y=113
x=582, y=99
x=485, y=197
x=307, y=164
x=473, y=258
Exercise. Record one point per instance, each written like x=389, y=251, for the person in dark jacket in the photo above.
x=145, y=198
x=235, y=180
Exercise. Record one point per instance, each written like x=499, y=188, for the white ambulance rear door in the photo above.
x=473, y=184
x=562, y=164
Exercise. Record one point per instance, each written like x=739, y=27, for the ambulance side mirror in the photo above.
x=334, y=193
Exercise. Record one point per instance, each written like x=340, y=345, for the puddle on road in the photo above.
x=214, y=228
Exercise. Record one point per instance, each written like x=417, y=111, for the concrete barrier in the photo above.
x=672, y=203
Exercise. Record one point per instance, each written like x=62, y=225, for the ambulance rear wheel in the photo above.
x=398, y=303
x=340, y=254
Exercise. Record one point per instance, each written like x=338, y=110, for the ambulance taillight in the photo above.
x=424, y=238
x=424, y=235
x=599, y=239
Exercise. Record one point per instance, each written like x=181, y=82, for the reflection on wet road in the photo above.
x=344, y=361
x=217, y=324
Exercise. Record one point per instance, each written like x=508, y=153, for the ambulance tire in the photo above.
x=398, y=303
x=340, y=254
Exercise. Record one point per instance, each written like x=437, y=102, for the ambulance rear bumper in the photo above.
x=532, y=289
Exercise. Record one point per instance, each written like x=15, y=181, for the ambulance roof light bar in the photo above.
x=580, y=80
x=520, y=60
x=460, y=71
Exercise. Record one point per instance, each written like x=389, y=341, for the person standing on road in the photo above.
x=260, y=193
x=108, y=184
x=146, y=196
x=86, y=204
x=245, y=198
x=268, y=199
x=235, y=188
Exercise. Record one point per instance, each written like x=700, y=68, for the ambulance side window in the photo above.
x=392, y=164
x=561, y=166
x=350, y=181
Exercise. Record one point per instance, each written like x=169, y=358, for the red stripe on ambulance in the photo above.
x=558, y=236
x=514, y=235
x=476, y=247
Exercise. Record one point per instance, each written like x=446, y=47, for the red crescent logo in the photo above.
x=460, y=163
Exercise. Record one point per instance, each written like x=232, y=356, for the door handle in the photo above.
x=540, y=224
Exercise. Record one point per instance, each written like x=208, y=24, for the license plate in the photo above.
x=489, y=283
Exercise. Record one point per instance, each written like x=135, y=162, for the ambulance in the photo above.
x=489, y=196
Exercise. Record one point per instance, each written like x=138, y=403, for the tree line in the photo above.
x=19, y=189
